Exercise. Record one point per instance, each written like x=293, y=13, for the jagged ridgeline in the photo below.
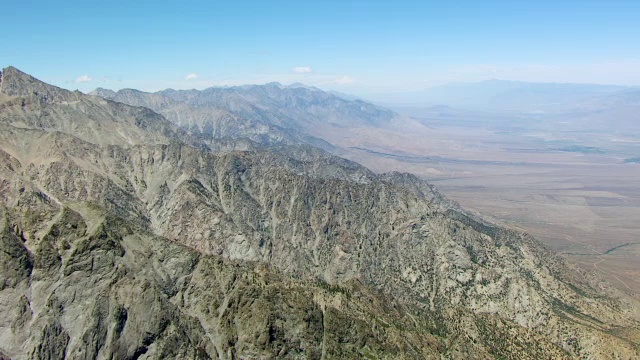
x=267, y=114
x=124, y=235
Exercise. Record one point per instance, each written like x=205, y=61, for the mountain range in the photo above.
x=267, y=114
x=215, y=224
x=515, y=96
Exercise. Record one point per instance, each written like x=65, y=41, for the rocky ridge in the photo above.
x=284, y=251
x=270, y=113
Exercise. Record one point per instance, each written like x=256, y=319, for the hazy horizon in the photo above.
x=357, y=47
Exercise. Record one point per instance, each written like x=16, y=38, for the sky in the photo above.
x=358, y=47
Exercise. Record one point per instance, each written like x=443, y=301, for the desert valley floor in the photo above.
x=579, y=205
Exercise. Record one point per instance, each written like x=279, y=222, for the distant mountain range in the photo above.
x=128, y=235
x=268, y=114
x=500, y=95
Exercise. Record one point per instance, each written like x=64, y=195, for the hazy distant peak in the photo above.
x=173, y=92
x=130, y=90
x=168, y=91
x=102, y=92
x=274, y=84
x=299, y=85
x=344, y=96
x=505, y=95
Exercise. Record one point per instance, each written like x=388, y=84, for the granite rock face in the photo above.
x=125, y=237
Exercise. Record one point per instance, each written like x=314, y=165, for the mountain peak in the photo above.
x=298, y=85
x=17, y=83
x=274, y=84
x=102, y=92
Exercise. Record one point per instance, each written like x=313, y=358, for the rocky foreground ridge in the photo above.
x=125, y=236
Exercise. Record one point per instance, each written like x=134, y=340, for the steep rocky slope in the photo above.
x=270, y=113
x=153, y=246
x=30, y=103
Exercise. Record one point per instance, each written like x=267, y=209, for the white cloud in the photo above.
x=83, y=79
x=344, y=80
x=191, y=76
x=302, y=70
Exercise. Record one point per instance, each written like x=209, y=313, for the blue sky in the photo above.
x=353, y=46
